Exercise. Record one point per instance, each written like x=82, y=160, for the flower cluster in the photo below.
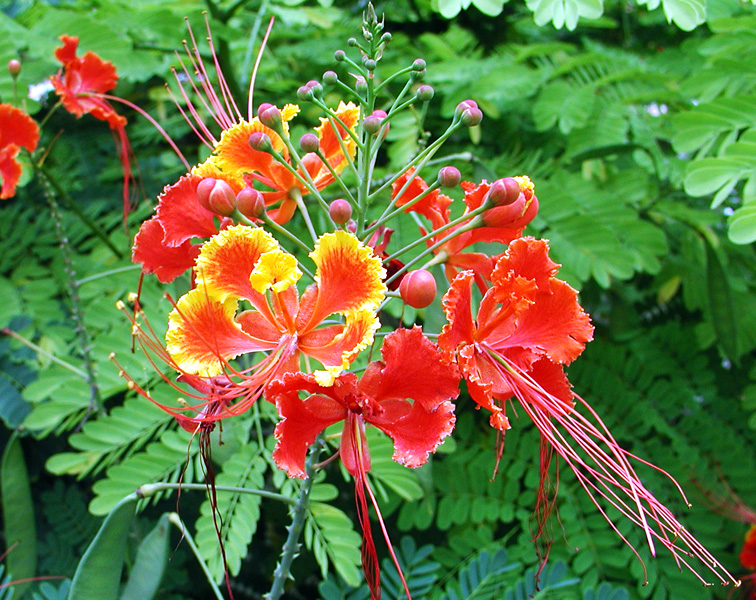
x=249, y=329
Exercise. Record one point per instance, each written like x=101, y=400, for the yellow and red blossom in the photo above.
x=236, y=162
x=206, y=329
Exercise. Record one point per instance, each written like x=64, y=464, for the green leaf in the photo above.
x=99, y=572
x=564, y=13
x=11, y=304
x=147, y=571
x=721, y=304
x=18, y=514
x=702, y=124
x=329, y=533
x=743, y=225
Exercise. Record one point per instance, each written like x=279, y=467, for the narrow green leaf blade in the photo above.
x=149, y=566
x=99, y=572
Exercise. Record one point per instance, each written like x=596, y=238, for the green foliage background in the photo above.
x=638, y=127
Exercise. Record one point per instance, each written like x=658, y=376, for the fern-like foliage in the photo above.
x=329, y=534
x=236, y=514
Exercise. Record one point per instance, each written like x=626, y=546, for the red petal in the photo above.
x=456, y=303
x=303, y=420
x=181, y=215
x=416, y=432
x=434, y=207
x=165, y=261
x=17, y=128
x=484, y=383
x=412, y=368
x=748, y=553
x=10, y=171
x=529, y=258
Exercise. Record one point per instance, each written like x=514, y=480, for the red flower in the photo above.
x=500, y=224
x=82, y=85
x=17, y=130
x=748, y=553
x=411, y=368
x=528, y=325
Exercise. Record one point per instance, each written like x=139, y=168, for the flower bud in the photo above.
x=309, y=142
x=260, y=141
x=352, y=42
x=340, y=211
x=449, y=177
x=304, y=93
x=504, y=191
x=370, y=64
x=330, y=77
x=271, y=117
x=386, y=38
x=425, y=93
x=418, y=65
x=469, y=113
x=315, y=86
x=216, y=196
x=417, y=75
x=372, y=124
x=418, y=288
x=339, y=55
x=14, y=67
x=351, y=226
x=360, y=85
x=263, y=107
x=250, y=203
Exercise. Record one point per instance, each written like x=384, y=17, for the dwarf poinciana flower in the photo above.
x=500, y=224
x=411, y=369
x=528, y=325
x=245, y=263
x=237, y=163
x=82, y=85
x=17, y=130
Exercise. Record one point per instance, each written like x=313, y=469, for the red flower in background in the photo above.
x=500, y=224
x=17, y=130
x=748, y=553
x=82, y=85
x=528, y=325
x=411, y=368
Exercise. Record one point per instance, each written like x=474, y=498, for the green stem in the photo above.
x=94, y=227
x=45, y=353
x=107, y=274
x=176, y=520
x=291, y=545
x=296, y=194
x=150, y=489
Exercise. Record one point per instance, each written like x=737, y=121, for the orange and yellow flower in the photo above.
x=236, y=162
x=245, y=264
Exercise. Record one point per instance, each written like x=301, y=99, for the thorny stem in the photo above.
x=291, y=545
x=85, y=343
x=48, y=180
x=176, y=520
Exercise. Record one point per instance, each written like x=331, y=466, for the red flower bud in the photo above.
x=504, y=191
x=271, y=117
x=418, y=288
x=14, y=67
x=250, y=203
x=260, y=141
x=425, y=93
x=309, y=142
x=216, y=196
x=340, y=211
x=449, y=177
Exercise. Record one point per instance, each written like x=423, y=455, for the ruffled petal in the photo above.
x=411, y=368
x=485, y=384
x=302, y=420
x=460, y=328
x=10, y=171
x=18, y=128
x=234, y=157
x=434, y=206
x=349, y=114
x=229, y=258
x=416, y=432
x=276, y=271
x=181, y=214
x=348, y=275
x=167, y=262
x=336, y=347
x=528, y=258
x=203, y=335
